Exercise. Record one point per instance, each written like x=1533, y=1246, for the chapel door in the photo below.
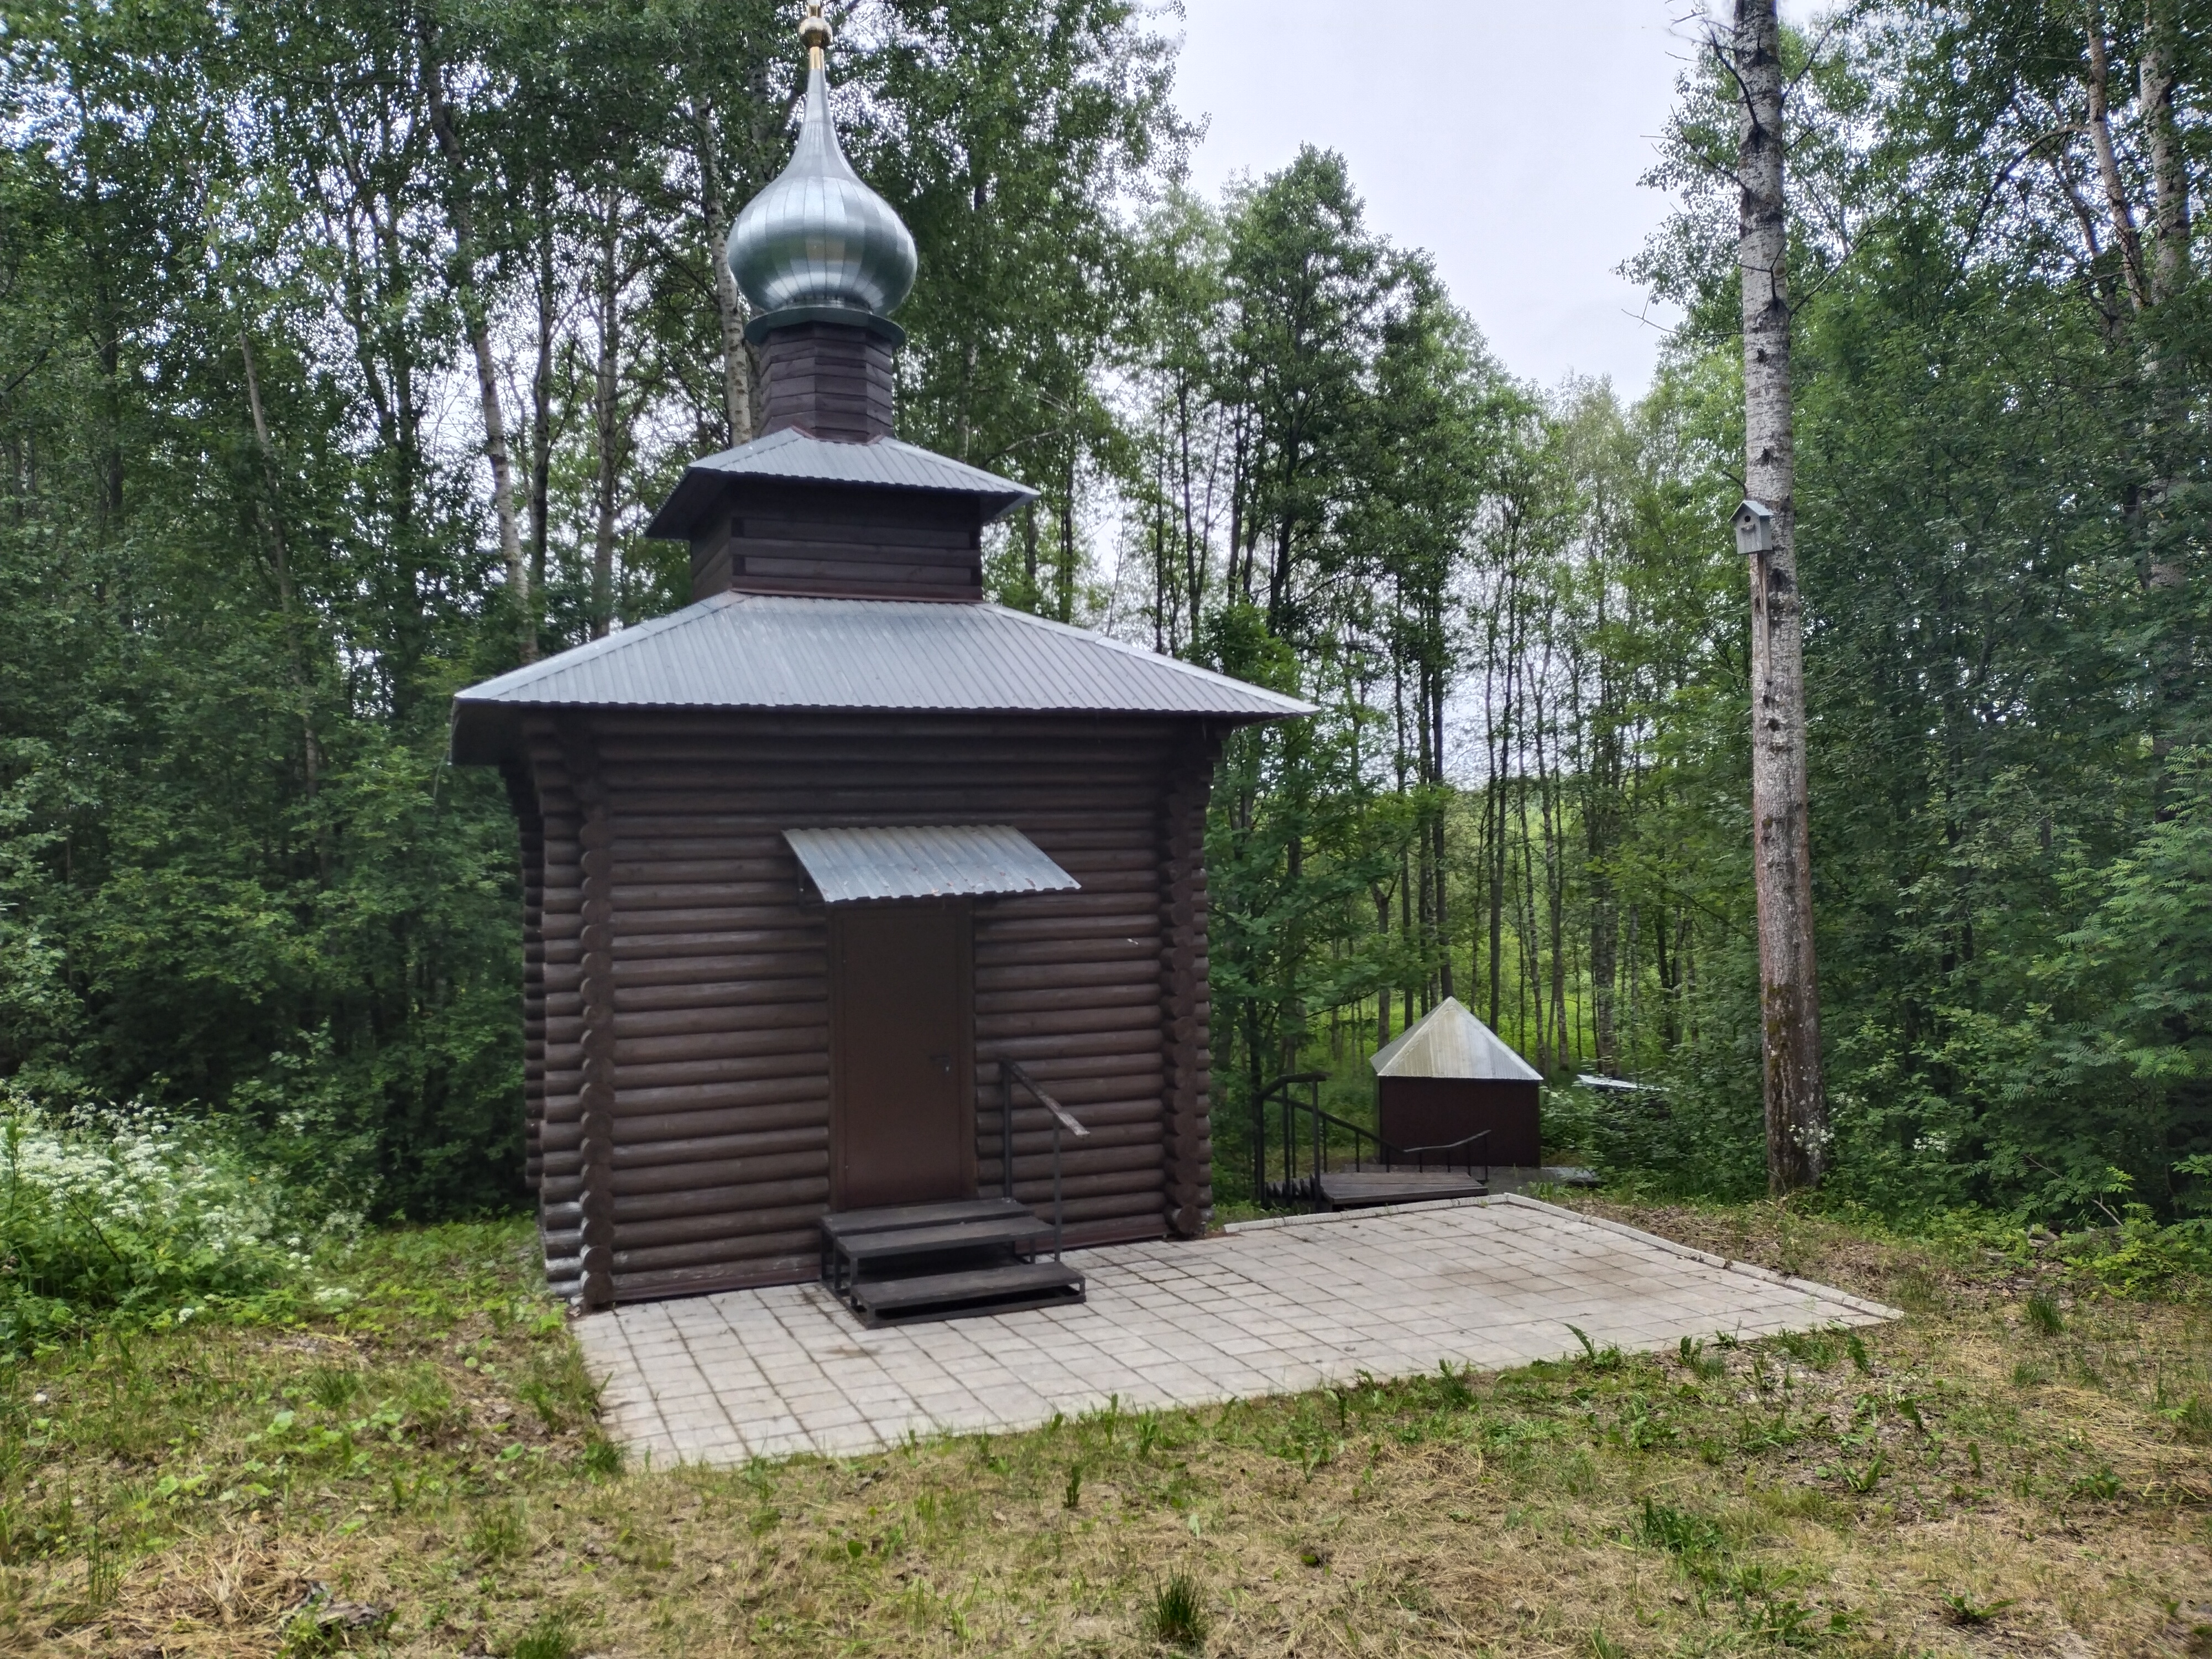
x=902, y=1115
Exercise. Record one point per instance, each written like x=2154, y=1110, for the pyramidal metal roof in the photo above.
x=797, y=456
x=760, y=651
x=1450, y=1042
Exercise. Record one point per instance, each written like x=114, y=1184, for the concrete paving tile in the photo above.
x=1265, y=1309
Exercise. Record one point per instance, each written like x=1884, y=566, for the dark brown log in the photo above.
x=797, y=1268
x=645, y=1003
x=642, y=1132
x=694, y=981
x=762, y=1004
x=730, y=1229
x=798, y=1244
x=729, y=1172
x=798, y=1184
x=635, y=1080
x=638, y=949
x=700, y=1150
x=766, y=1037
x=708, y=1097
x=1068, y=1022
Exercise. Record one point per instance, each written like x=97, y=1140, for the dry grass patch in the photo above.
x=1971, y=1481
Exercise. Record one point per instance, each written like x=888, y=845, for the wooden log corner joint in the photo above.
x=845, y=891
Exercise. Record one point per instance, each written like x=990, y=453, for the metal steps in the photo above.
x=1349, y=1189
x=949, y=1260
x=1007, y=1287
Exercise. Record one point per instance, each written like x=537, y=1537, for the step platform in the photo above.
x=959, y=1259
x=1366, y=1189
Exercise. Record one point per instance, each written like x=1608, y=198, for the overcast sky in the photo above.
x=1506, y=139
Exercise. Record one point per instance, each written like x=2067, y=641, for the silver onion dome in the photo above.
x=818, y=241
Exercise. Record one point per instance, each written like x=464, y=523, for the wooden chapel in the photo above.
x=840, y=871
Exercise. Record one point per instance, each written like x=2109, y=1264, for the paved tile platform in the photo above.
x=1270, y=1307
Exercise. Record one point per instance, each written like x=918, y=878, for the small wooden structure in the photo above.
x=864, y=921
x=1449, y=1076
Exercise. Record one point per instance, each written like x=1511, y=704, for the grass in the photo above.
x=422, y=1473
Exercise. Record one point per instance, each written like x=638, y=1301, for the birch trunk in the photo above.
x=737, y=365
x=2108, y=165
x=541, y=395
x=2169, y=169
x=2169, y=272
x=1796, y=1106
x=287, y=598
x=462, y=214
x=606, y=411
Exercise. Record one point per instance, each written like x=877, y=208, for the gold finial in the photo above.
x=814, y=31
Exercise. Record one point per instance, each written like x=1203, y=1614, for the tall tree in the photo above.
x=1789, y=991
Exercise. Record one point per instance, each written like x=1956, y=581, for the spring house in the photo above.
x=863, y=919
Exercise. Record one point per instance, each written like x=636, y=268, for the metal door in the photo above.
x=902, y=1123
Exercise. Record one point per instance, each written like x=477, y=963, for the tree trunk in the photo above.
x=737, y=363
x=541, y=395
x=1436, y=752
x=2169, y=169
x=606, y=411
x=462, y=213
x=1796, y=1107
x=311, y=757
x=2108, y=165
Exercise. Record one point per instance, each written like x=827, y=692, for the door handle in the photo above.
x=943, y=1062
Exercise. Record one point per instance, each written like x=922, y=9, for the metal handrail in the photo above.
x=1011, y=1072
x=1260, y=1127
x=1387, y=1154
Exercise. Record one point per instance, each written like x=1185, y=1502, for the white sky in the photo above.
x=1505, y=136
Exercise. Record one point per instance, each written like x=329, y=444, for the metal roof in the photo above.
x=793, y=455
x=1450, y=1042
x=926, y=861
x=760, y=651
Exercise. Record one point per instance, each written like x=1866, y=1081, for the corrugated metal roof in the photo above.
x=926, y=861
x=1450, y=1042
x=795, y=455
x=783, y=652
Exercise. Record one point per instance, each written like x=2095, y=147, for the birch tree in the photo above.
x=1782, y=865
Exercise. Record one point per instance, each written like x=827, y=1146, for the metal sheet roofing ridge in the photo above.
x=846, y=652
x=850, y=463
x=620, y=641
x=1292, y=705
x=1491, y=1057
x=924, y=861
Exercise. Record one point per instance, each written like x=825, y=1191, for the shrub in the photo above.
x=120, y=1218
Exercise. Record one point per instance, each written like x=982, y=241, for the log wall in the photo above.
x=765, y=537
x=683, y=1081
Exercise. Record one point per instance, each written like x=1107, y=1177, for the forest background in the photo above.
x=345, y=346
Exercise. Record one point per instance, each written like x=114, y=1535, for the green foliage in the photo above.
x=126, y=1220
x=1177, y=1616
x=1680, y=1532
x=549, y=1637
x=2140, y=1257
x=246, y=558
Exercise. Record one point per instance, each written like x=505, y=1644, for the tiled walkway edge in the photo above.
x=1269, y=1307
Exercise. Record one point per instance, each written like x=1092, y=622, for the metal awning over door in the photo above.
x=921, y=861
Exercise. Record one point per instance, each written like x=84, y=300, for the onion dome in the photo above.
x=817, y=245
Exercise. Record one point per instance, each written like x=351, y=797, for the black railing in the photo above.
x=1293, y=1189
x=1011, y=1072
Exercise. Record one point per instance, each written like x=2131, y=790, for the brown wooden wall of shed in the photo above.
x=716, y=999
x=1436, y=1111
